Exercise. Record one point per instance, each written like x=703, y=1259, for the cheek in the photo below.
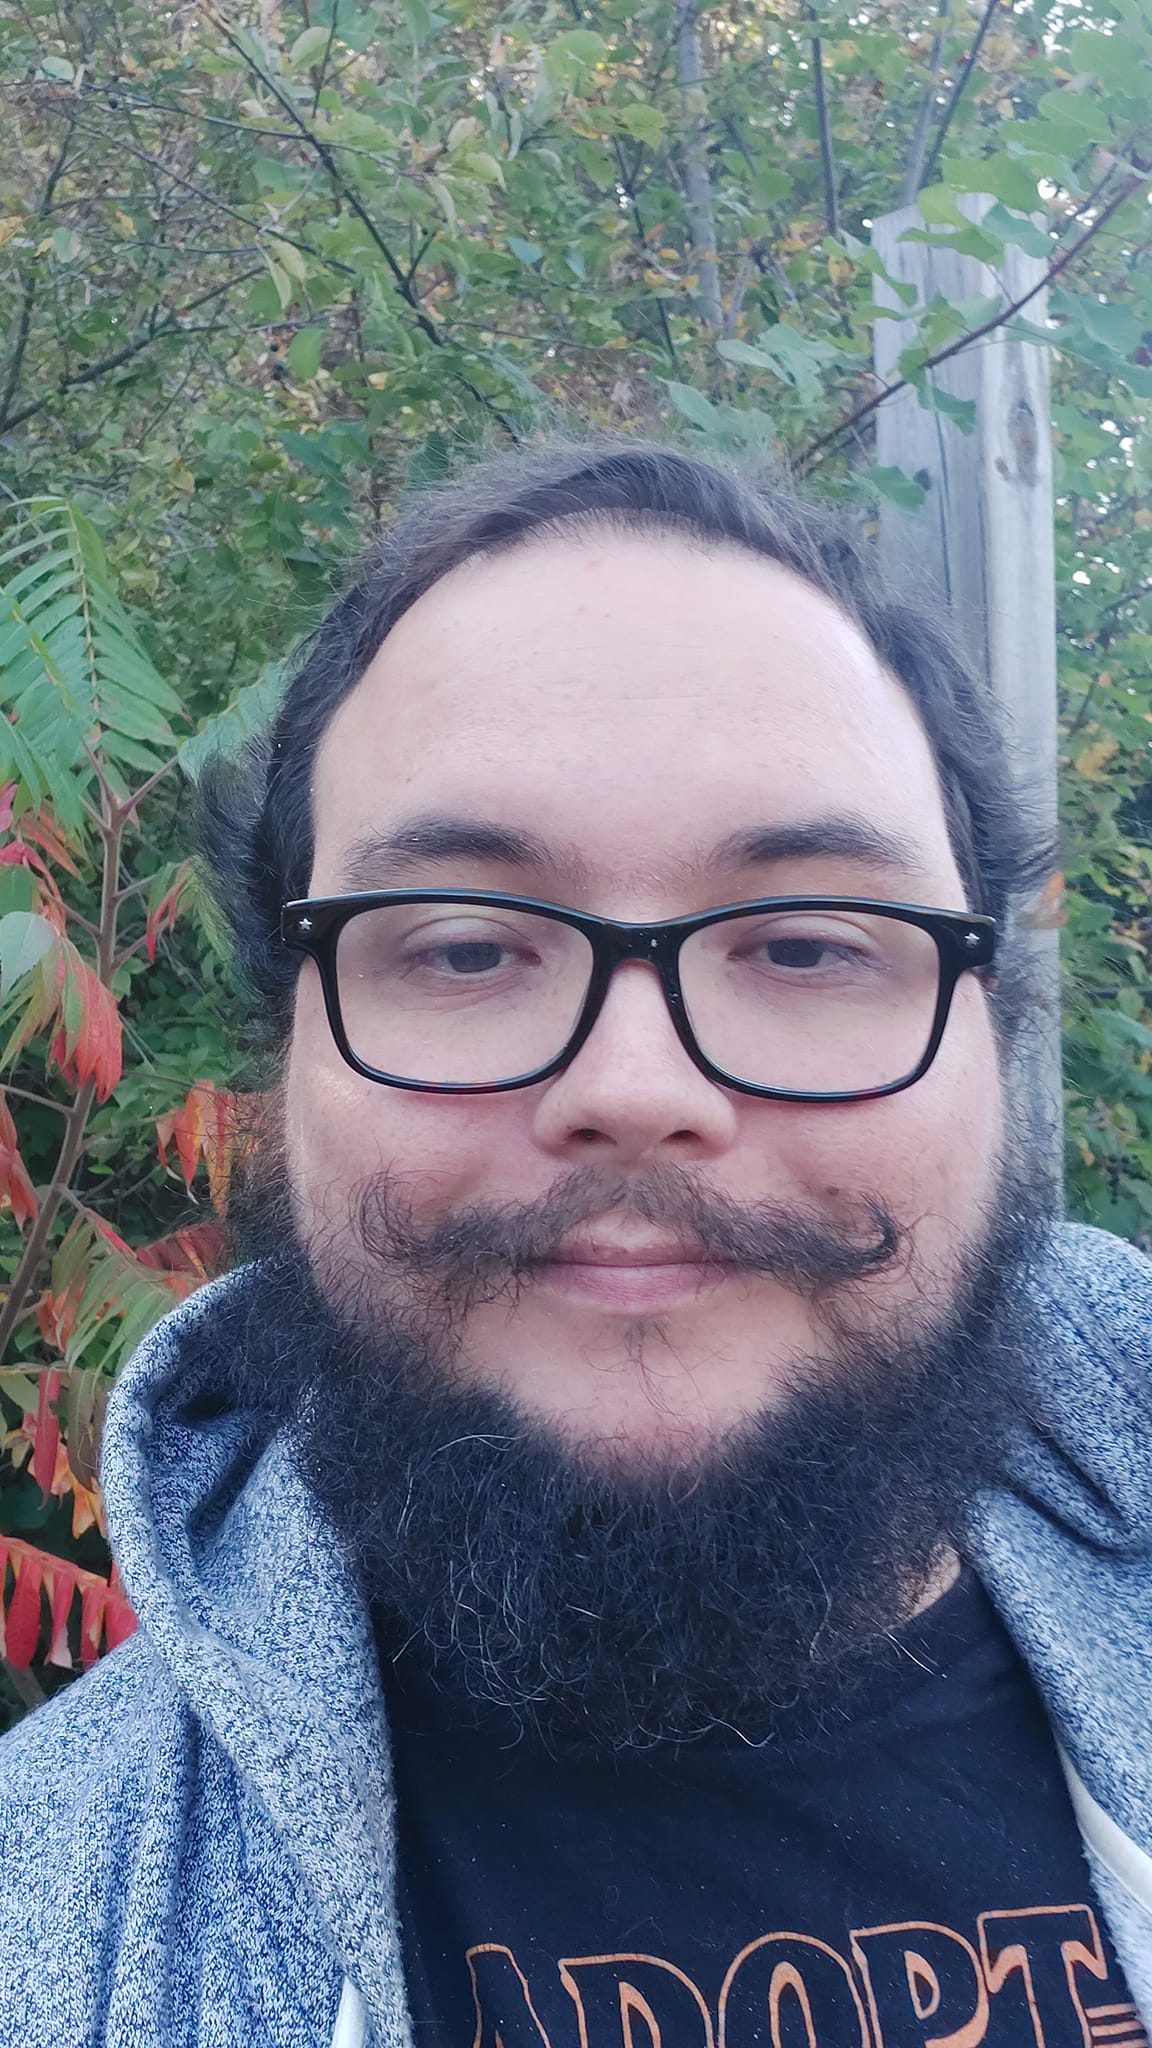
x=341, y=1129
x=931, y=1153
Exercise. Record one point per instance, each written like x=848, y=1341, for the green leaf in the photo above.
x=419, y=19
x=570, y=55
x=304, y=352
x=692, y=405
x=936, y=399
x=646, y=123
x=1018, y=229
x=895, y=484
x=1117, y=327
x=769, y=186
x=312, y=43
x=1004, y=177
x=290, y=258
x=251, y=710
x=797, y=358
x=528, y=253
x=25, y=939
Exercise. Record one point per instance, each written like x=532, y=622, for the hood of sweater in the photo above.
x=242, y=1594
x=245, y=1600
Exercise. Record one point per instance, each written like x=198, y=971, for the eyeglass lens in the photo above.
x=804, y=1000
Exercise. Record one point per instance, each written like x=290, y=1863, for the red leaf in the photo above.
x=15, y=1185
x=103, y=1606
x=44, y=832
x=23, y=1630
x=119, y=1621
x=7, y=805
x=46, y=1431
x=94, y=1050
x=199, y=1250
x=163, y=916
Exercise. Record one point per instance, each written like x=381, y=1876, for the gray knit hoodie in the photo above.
x=197, y=1840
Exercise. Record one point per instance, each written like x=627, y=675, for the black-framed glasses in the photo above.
x=801, y=998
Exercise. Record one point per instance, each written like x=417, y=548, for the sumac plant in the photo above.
x=91, y=1113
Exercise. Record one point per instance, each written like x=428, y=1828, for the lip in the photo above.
x=638, y=1278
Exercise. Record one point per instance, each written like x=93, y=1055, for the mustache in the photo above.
x=479, y=1251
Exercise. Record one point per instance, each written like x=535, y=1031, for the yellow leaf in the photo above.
x=10, y=224
x=1094, y=759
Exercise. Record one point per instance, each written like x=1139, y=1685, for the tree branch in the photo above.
x=963, y=341
x=28, y=297
x=827, y=156
x=27, y=1689
x=152, y=331
x=957, y=92
x=698, y=182
x=323, y=66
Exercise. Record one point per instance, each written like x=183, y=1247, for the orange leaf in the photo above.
x=15, y=1185
x=206, y=1126
x=93, y=1604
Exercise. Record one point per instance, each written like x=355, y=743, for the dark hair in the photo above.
x=255, y=822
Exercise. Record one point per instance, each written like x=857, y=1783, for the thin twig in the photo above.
x=28, y=297
x=827, y=156
x=352, y=199
x=38, y=1101
x=957, y=93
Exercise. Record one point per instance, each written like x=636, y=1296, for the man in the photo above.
x=654, y=1550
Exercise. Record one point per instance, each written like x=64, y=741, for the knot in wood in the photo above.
x=1024, y=441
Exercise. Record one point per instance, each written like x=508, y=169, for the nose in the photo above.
x=632, y=1094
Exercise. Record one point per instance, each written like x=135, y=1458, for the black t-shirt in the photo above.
x=914, y=1878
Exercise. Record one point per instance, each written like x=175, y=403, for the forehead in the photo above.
x=630, y=699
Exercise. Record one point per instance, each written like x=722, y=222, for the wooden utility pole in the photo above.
x=983, y=541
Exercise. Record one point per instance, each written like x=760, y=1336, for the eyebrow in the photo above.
x=842, y=837
x=379, y=858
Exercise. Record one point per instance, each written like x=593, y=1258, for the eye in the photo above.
x=467, y=956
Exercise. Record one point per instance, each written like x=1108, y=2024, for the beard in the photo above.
x=756, y=1590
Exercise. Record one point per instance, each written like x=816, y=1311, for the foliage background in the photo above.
x=262, y=267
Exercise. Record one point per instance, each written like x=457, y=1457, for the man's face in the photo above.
x=628, y=708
